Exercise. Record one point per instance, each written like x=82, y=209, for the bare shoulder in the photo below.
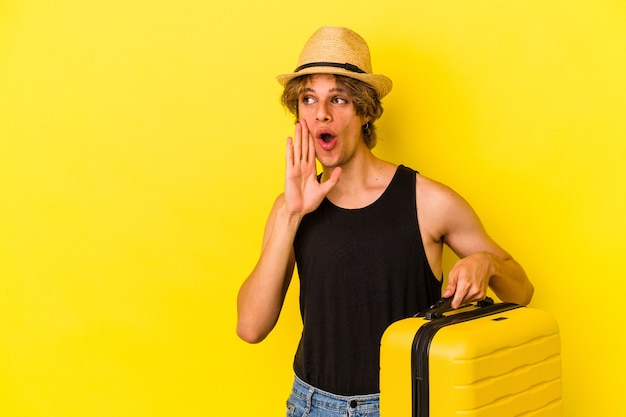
x=433, y=195
x=441, y=210
x=447, y=215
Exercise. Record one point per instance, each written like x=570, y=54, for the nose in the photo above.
x=323, y=113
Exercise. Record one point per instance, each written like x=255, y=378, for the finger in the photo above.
x=455, y=289
x=306, y=139
x=297, y=148
x=307, y=143
x=451, y=287
x=457, y=301
x=332, y=181
x=289, y=152
x=311, y=155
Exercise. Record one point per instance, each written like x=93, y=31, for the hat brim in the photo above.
x=379, y=82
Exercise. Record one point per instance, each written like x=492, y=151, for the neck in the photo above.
x=360, y=183
x=356, y=171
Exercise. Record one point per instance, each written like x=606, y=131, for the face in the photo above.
x=330, y=115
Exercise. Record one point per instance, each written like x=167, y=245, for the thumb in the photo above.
x=332, y=181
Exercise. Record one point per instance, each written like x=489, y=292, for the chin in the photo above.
x=330, y=163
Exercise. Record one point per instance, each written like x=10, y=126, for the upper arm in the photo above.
x=451, y=218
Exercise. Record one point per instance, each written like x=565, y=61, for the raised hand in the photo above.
x=303, y=193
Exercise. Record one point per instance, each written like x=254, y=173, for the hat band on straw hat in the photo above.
x=325, y=53
x=346, y=66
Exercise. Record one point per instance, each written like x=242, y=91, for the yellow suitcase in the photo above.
x=482, y=360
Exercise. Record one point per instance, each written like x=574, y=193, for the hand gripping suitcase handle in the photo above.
x=442, y=306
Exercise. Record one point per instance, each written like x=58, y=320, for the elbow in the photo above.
x=521, y=295
x=524, y=297
x=530, y=291
x=250, y=335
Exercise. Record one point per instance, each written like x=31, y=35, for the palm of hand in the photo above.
x=303, y=192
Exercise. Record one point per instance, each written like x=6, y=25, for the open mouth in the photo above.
x=326, y=137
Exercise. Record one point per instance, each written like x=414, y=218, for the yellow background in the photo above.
x=141, y=146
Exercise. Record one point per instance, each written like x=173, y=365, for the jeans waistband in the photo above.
x=321, y=398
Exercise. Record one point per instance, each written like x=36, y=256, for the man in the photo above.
x=367, y=235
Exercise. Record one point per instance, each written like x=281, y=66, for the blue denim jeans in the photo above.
x=306, y=400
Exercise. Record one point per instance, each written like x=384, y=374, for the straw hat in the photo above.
x=341, y=51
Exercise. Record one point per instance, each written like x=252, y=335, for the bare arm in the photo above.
x=261, y=296
x=469, y=278
x=483, y=263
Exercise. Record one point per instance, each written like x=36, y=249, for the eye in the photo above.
x=308, y=100
x=340, y=100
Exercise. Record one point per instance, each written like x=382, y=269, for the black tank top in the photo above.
x=360, y=270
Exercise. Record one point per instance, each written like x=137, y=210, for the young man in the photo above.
x=367, y=235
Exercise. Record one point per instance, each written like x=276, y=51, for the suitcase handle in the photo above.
x=442, y=306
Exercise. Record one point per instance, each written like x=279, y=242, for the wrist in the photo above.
x=494, y=264
x=288, y=217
